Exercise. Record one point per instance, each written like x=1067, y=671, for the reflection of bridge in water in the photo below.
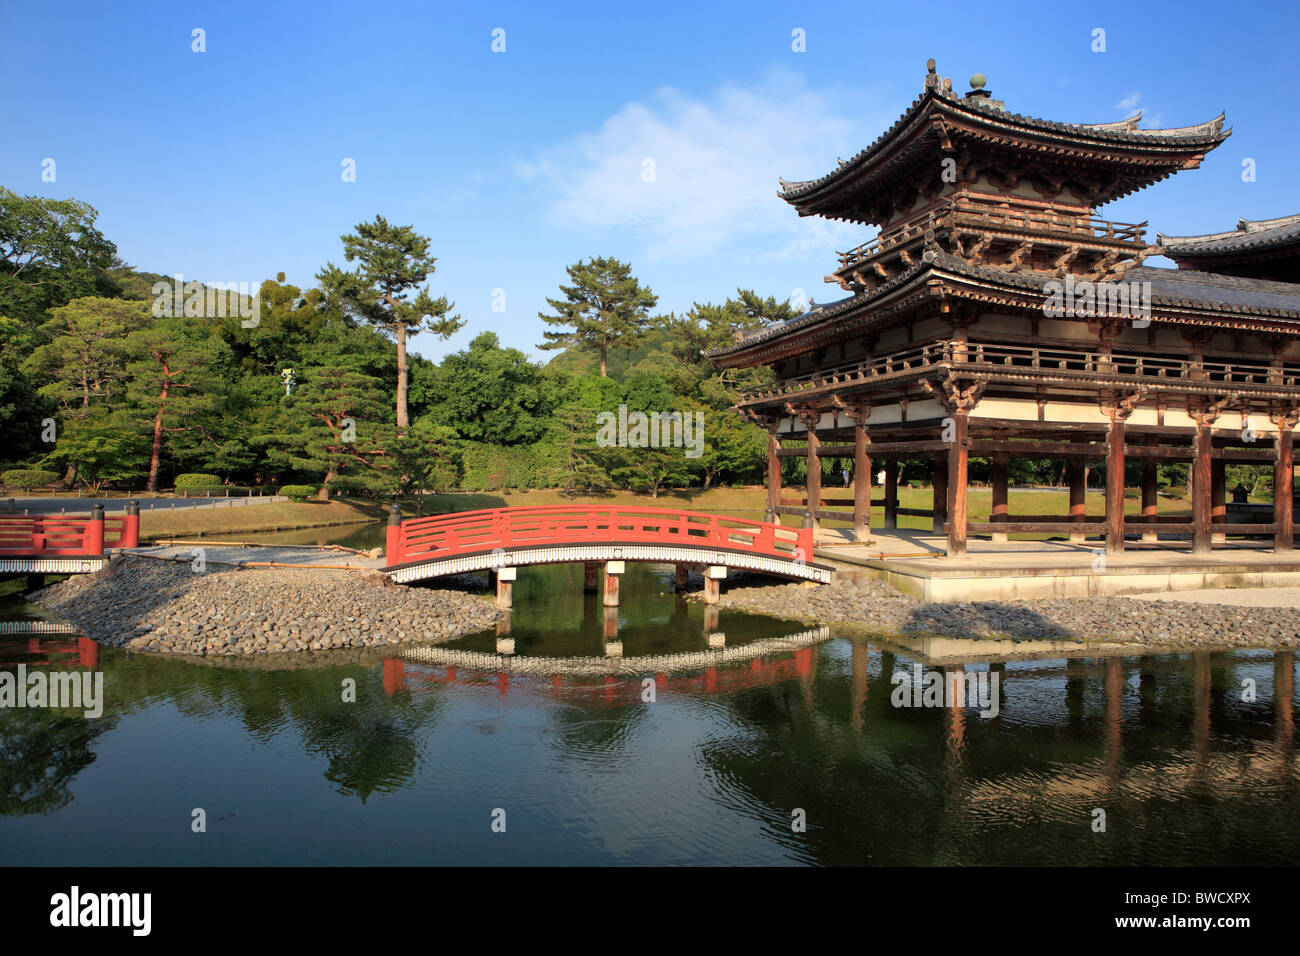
x=614, y=663
x=503, y=539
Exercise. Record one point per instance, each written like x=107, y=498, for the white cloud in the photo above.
x=716, y=164
x=1129, y=103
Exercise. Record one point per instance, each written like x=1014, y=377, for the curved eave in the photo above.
x=1173, y=147
x=1187, y=304
x=1250, y=236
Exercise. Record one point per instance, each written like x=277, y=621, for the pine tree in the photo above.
x=605, y=308
x=393, y=262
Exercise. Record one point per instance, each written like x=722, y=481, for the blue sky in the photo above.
x=226, y=165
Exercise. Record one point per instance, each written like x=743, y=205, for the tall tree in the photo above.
x=393, y=261
x=605, y=308
x=50, y=253
x=83, y=363
x=175, y=381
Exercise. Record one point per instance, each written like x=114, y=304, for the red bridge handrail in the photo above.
x=68, y=536
x=470, y=532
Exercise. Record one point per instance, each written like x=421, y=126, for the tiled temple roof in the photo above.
x=1249, y=236
x=1123, y=133
x=1170, y=289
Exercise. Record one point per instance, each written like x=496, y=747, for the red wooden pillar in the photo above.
x=1283, y=482
x=95, y=531
x=939, y=480
x=957, y=469
x=1115, y=484
x=1218, y=498
x=999, y=512
x=814, y=485
x=393, y=538
x=1150, y=505
x=773, y=474
x=891, y=494
x=1201, y=471
x=1077, y=475
x=861, y=483
x=131, y=526
x=590, y=570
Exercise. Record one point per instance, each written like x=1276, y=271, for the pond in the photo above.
x=705, y=737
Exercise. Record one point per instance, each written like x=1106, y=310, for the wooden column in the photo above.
x=861, y=483
x=891, y=494
x=957, y=466
x=1150, y=504
x=999, y=511
x=1115, y=484
x=1218, y=498
x=814, y=485
x=1283, y=477
x=1201, y=490
x=773, y=472
x=1076, y=470
x=939, y=471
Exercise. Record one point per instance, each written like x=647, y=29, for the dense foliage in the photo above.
x=151, y=389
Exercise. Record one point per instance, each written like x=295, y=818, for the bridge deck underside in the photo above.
x=433, y=566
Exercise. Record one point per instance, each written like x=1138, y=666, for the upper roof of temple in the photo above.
x=1259, y=248
x=1095, y=163
x=1249, y=234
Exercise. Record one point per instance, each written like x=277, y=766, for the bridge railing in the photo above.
x=469, y=532
x=69, y=535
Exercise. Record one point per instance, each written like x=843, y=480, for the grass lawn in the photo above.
x=272, y=516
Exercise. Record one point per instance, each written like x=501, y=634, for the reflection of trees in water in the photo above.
x=41, y=751
x=371, y=744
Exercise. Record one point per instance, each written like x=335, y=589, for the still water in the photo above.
x=662, y=756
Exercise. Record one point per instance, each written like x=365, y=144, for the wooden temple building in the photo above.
x=995, y=315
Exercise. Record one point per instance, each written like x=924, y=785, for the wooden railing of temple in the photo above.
x=979, y=215
x=992, y=358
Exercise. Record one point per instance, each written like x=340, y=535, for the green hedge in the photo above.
x=493, y=467
x=28, y=477
x=188, y=482
x=299, y=492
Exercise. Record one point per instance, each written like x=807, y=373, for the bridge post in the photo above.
x=505, y=586
x=393, y=542
x=589, y=571
x=95, y=531
x=612, y=571
x=131, y=527
x=683, y=575
x=713, y=576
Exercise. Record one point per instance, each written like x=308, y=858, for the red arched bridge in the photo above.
x=502, y=539
x=65, y=544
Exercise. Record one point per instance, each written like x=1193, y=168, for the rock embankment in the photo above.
x=872, y=606
x=148, y=605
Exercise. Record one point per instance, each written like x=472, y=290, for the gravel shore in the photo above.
x=146, y=605
x=871, y=606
